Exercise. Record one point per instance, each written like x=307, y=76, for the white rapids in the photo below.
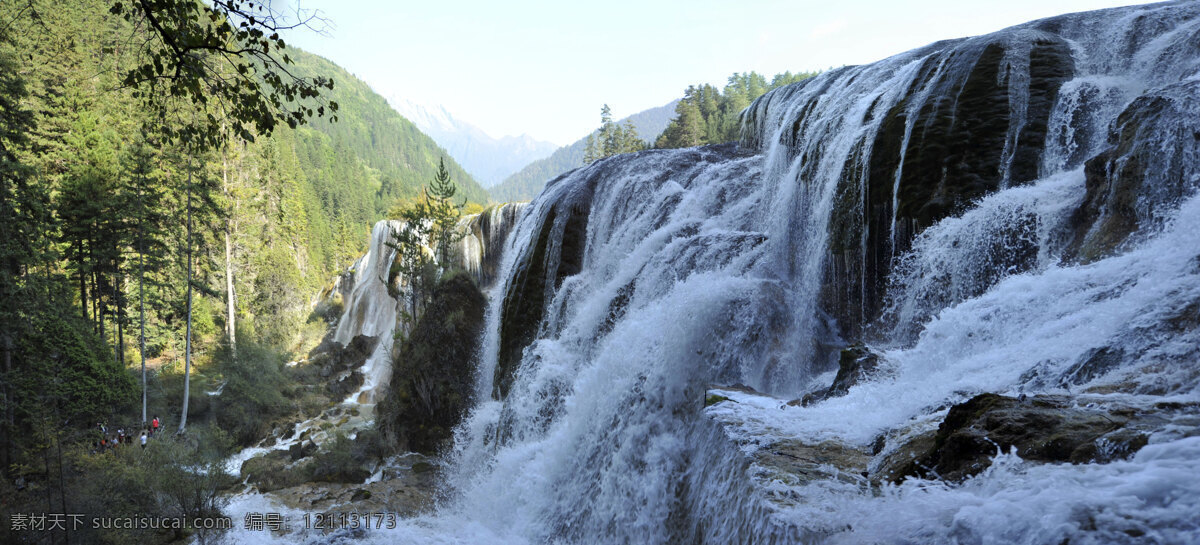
x=706, y=266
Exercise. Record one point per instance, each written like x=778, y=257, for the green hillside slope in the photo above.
x=528, y=181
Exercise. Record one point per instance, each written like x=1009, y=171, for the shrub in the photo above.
x=433, y=373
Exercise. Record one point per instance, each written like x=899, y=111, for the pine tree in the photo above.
x=444, y=212
x=708, y=116
x=630, y=141
x=611, y=138
x=148, y=233
x=19, y=219
x=430, y=219
x=590, y=152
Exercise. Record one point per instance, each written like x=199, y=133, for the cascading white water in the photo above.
x=959, y=258
x=369, y=311
x=710, y=265
x=484, y=234
x=372, y=311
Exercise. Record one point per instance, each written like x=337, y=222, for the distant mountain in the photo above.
x=529, y=181
x=489, y=160
x=394, y=157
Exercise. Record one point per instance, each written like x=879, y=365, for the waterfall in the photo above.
x=931, y=195
x=985, y=212
x=372, y=311
x=479, y=250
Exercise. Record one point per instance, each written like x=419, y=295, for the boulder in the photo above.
x=796, y=463
x=1152, y=162
x=275, y=470
x=302, y=450
x=332, y=357
x=897, y=463
x=1041, y=428
x=346, y=385
x=855, y=364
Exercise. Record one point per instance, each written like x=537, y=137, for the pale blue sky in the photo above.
x=545, y=68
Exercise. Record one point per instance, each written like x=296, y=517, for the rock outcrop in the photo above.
x=556, y=254
x=952, y=139
x=855, y=364
x=432, y=382
x=1041, y=429
x=485, y=237
x=1153, y=160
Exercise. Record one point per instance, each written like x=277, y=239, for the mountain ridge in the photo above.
x=526, y=183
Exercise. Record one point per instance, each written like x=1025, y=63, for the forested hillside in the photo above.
x=398, y=156
x=528, y=181
x=104, y=219
x=705, y=115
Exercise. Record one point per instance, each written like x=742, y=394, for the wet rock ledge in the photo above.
x=950, y=444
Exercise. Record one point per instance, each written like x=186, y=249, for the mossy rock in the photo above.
x=855, y=364
x=713, y=399
x=423, y=467
x=274, y=471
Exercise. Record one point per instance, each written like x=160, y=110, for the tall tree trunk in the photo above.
x=95, y=289
x=62, y=485
x=101, y=308
x=230, y=302
x=230, y=324
x=6, y=342
x=187, y=350
x=83, y=295
x=142, y=298
x=119, y=289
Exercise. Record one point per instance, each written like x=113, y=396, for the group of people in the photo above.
x=110, y=441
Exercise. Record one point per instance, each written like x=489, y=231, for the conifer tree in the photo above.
x=708, y=116
x=590, y=152
x=430, y=219
x=19, y=219
x=444, y=212
x=611, y=138
x=148, y=222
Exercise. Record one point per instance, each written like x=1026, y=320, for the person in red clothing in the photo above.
x=154, y=426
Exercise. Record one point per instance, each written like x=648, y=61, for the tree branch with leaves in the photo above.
x=224, y=51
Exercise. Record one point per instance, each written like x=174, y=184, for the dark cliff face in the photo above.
x=555, y=254
x=487, y=234
x=952, y=139
x=1153, y=160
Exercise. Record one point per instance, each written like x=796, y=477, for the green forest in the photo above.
x=173, y=212
x=707, y=115
x=120, y=227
